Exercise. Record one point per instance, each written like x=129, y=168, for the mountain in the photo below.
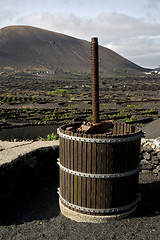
x=24, y=45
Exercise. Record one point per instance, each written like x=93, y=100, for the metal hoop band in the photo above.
x=102, y=176
x=96, y=140
x=92, y=210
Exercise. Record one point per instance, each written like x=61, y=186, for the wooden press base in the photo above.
x=81, y=217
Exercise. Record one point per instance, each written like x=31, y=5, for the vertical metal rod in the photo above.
x=95, y=80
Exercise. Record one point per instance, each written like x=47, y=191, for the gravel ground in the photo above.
x=37, y=216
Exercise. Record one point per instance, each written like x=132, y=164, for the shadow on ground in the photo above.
x=39, y=204
x=42, y=204
x=149, y=205
x=28, y=187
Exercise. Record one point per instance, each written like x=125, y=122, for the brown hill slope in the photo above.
x=24, y=45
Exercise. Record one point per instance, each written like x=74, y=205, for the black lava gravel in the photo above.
x=36, y=216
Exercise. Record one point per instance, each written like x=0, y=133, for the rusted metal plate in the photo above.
x=98, y=128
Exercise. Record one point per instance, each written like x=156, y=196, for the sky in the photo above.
x=131, y=28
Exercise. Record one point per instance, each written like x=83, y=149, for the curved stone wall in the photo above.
x=26, y=172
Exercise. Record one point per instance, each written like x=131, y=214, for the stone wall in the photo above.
x=150, y=155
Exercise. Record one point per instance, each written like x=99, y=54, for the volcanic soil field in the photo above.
x=45, y=100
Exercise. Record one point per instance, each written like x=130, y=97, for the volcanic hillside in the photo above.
x=24, y=45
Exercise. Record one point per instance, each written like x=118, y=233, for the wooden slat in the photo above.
x=75, y=179
x=69, y=167
x=109, y=185
x=104, y=171
x=114, y=129
x=99, y=171
x=72, y=167
x=94, y=169
x=132, y=129
x=128, y=128
x=118, y=128
x=84, y=170
x=89, y=167
x=126, y=156
x=63, y=162
x=66, y=165
x=79, y=166
x=122, y=128
x=60, y=157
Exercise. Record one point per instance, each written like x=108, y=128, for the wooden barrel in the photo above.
x=99, y=173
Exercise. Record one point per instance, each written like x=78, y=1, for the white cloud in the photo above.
x=114, y=25
x=152, y=8
x=142, y=51
x=132, y=37
x=9, y=11
x=152, y=4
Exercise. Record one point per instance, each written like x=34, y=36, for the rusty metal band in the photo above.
x=100, y=176
x=97, y=140
x=103, y=211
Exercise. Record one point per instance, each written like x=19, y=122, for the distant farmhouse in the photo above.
x=152, y=72
x=46, y=72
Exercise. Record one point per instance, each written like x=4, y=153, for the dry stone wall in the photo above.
x=150, y=155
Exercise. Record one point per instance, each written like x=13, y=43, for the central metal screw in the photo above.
x=95, y=80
